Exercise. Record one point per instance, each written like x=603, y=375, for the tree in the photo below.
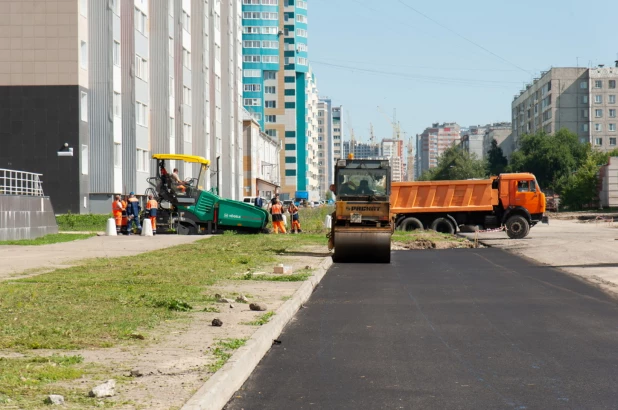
x=581, y=188
x=454, y=164
x=496, y=161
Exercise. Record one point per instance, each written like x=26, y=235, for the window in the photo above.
x=84, y=55
x=583, y=84
x=612, y=83
x=301, y=4
x=142, y=161
x=140, y=21
x=251, y=30
x=84, y=107
x=269, y=16
x=302, y=47
x=611, y=99
x=252, y=102
x=186, y=21
x=598, y=141
x=115, y=8
x=300, y=32
x=270, y=75
x=301, y=18
x=270, y=30
x=526, y=186
x=83, y=7
x=598, y=99
x=186, y=95
x=117, y=155
x=186, y=58
x=270, y=2
x=612, y=127
x=270, y=59
x=249, y=2
x=116, y=49
x=598, y=127
x=598, y=113
x=251, y=44
x=251, y=59
x=251, y=15
x=270, y=104
x=270, y=44
x=172, y=126
x=598, y=84
x=289, y=79
x=172, y=88
x=584, y=99
x=270, y=90
x=585, y=127
x=141, y=67
x=117, y=104
x=271, y=133
x=85, y=159
x=253, y=87
x=141, y=114
x=585, y=113
x=303, y=61
x=612, y=113
x=612, y=141
x=171, y=47
x=251, y=73
x=271, y=118
x=186, y=133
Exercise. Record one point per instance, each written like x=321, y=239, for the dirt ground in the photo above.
x=173, y=358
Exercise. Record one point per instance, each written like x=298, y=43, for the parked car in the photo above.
x=251, y=200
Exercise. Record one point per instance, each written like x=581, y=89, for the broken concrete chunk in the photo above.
x=54, y=399
x=225, y=300
x=281, y=269
x=106, y=389
x=136, y=373
x=257, y=307
x=242, y=299
x=217, y=322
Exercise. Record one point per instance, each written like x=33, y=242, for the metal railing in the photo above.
x=20, y=183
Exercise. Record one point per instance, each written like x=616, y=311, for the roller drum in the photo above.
x=362, y=245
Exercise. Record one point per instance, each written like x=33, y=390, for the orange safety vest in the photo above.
x=152, y=203
x=276, y=209
x=117, y=207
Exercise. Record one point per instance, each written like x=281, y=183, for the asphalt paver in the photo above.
x=449, y=329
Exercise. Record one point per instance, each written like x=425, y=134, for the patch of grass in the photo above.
x=262, y=320
x=86, y=222
x=49, y=239
x=211, y=309
x=25, y=382
x=172, y=304
x=223, y=351
x=402, y=236
x=105, y=301
x=296, y=277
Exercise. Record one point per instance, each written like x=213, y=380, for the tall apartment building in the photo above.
x=277, y=82
x=393, y=150
x=499, y=132
x=472, y=139
x=325, y=144
x=362, y=150
x=433, y=142
x=116, y=81
x=337, y=133
x=582, y=100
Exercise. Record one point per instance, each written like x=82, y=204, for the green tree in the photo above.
x=581, y=187
x=455, y=164
x=496, y=161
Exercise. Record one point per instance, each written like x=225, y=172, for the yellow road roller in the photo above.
x=361, y=226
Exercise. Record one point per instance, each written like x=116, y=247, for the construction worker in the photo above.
x=151, y=207
x=293, y=209
x=277, y=215
x=179, y=184
x=117, y=209
x=133, y=209
x=125, y=218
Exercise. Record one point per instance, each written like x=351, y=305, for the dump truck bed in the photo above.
x=443, y=196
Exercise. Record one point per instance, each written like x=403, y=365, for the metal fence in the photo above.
x=20, y=183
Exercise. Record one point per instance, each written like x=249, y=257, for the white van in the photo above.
x=251, y=200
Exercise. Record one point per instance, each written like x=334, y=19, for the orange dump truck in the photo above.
x=513, y=201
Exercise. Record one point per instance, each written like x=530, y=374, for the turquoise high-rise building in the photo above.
x=278, y=87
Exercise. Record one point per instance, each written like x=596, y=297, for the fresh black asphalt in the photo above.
x=450, y=329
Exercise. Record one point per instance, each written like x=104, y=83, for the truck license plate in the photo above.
x=356, y=218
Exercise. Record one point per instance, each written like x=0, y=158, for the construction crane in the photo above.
x=394, y=123
x=372, y=137
x=351, y=129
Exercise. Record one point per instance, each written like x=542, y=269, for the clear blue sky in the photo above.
x=368, y=53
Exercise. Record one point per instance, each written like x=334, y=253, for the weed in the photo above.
x=262, y=320
x=296, y=277
x=77, y=222
x=49, y=239
x=172, y=304
x=223, y=351
x=211, y=309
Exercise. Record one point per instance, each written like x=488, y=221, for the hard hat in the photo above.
x=132, y=193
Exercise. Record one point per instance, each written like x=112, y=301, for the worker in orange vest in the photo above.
x=277, y=214
x=151, y=207
x=117, y=209
x=293, y=209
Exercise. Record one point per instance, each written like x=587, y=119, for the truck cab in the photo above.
x=520, y=194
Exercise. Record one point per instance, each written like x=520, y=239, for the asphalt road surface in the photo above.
x=452, y=329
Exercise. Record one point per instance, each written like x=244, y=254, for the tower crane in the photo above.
x=394, y=123
x=351, y=129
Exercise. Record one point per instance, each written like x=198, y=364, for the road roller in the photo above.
x=361, y=226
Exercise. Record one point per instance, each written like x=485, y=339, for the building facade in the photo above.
x=325, y=145
x=278, y=84
x=472, y=140
x=119, y=81
x=582, y=100
x=362, y=150
x=433, y=142
x=337, y=133
x=393, y=150
x=261, y=160
x=499, y=132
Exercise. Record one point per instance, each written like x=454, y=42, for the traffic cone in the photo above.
x=147, y=228
x=110, y=229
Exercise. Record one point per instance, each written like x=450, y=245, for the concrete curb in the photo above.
x=218, y=390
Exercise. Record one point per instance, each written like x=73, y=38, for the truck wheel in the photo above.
x=443, y=225
x=410, y=224
x=517, y=227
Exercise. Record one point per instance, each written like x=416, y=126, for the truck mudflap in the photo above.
x=545, y=220
x=362, y=244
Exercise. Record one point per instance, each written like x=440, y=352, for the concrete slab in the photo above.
x=587, y=249
x=19, y=261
